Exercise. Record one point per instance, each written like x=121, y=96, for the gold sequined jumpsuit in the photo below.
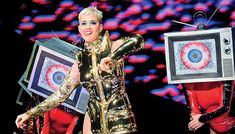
x=109, y=108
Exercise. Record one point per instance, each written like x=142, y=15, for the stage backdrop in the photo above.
x=146, y=69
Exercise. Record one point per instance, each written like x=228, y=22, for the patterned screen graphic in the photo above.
x=53, y=74
x=41, y=19
x=194, y=57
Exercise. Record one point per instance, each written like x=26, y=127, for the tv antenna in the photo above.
x=183, y=23
x=214, y=12
x=200, y=16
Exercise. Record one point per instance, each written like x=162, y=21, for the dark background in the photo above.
x=154, y=114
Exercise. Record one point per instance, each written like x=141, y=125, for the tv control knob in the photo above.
x=227, y=50
x=226, y=41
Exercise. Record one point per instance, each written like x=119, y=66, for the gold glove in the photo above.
x=131, y=45
x=55, y=99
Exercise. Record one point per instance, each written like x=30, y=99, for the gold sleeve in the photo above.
x=55, y=99
x=130, y=45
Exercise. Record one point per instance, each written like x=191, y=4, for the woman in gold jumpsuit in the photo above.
x=98, y=68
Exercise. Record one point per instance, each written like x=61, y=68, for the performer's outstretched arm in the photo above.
x=71, y=82
x=58, y=97
x=120, y=49
x=130, y=45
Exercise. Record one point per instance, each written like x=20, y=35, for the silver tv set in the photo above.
x=50, y=61
x=200, y=56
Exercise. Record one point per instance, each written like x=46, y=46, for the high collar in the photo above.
x=94, y=43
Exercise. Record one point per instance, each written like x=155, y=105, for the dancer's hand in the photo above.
x=194, y=124
x=21, y=119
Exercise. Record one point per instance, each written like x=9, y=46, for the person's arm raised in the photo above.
x=130, y=45
x=121, y=48
x=70, y=83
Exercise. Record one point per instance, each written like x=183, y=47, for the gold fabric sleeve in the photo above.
x=55, y=99
x=130, y=45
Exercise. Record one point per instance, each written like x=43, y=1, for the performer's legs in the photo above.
x=79, y=126
x=87, y=124
x=212, y=131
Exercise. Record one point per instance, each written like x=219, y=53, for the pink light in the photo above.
x=95, y=3
x=136, y=81
x=137, y=59
x=161, y=37
x=69, y=28
x=59, y=11
x=158, y=26
x=26, y=26
x=232, y=16
x=160, y=66
x=59, y=34
x=145, y=17
x=159, y=3
x=200, y=7
x=133, y=9
x=186, y=18
x=135, y=22
x=188, y=29
x=160, y=16
x=223, y=9
x=129, y=69
x=104, y=6
x=71, y=38
x=182, y=1
x=127, y=27
x=44, y=18
x=70, y=16
x=226, y=2
x=158, y=48
x=166, y=90
x=42, y=2
x=164, y=80
x=146, y=7
x=169, y=11
x=66, y=4
x=179, y=8
x=152, y=76
x=114, y=36
x=26, y=19
x=148, y=45
x=180, y=98
x=32, y=39
x=136, y=1
x=149, y=78
x=232, y=23
x=140, y=31
x=121, y=15
x=74, y=7
x=179, y=86
x=111, y=24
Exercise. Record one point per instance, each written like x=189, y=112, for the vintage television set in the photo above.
x=200, y=56
x=49, y=63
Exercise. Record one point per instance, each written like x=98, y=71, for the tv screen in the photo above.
x=47, y=69
x=196, y=56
